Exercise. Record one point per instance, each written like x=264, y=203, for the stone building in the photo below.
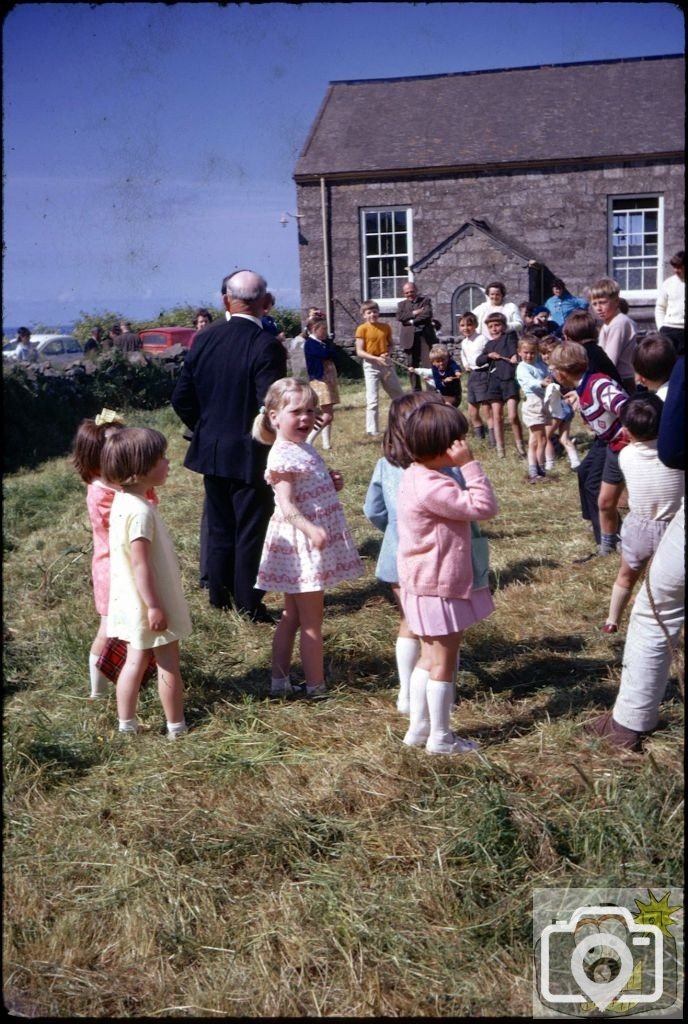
x=570, y=170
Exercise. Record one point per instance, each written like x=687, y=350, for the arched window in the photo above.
x=465, y=298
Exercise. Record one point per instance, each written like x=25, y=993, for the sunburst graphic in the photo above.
x=657, y=912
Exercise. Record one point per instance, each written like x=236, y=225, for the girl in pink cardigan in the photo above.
x=435, y=569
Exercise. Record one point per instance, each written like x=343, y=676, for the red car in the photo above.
x=159, y=339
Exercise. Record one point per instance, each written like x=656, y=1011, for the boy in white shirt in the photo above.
x=655, y=493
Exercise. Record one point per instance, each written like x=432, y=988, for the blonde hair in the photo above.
x=605, y=288
x=438, y=352
x=279, y=395
x=130, y=453
x=528, y=341
x=570, y=357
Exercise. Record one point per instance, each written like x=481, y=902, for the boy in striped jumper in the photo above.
x=654, y=497
x=599, y=400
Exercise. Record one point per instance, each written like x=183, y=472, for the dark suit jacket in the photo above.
x=422, y=324
x=226, y=374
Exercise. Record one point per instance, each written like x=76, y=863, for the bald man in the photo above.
x=226, y=374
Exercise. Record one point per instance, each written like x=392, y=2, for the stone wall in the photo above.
x=559, y=215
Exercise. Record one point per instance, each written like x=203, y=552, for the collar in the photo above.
x=246, y=316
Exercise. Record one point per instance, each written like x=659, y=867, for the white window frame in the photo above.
x=658, y=258
x=387, y=305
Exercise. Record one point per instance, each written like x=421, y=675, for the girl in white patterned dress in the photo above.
x=308, y=545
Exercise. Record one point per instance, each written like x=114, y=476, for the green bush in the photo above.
x=43, y=406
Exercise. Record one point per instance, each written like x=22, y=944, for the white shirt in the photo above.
x=654, y=490
x=471, y=349
x=509, y=309
x=670, y=310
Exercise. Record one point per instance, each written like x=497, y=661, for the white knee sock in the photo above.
x=440, y=696
x=419, y=719
x=619, y=599
x=100, y=684
x=440, y=701
x=327, y=437
x=407, y=650
x=313, y=434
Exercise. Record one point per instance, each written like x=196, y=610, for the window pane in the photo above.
x=371, y=223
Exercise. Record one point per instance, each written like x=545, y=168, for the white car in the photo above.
x=53, y=348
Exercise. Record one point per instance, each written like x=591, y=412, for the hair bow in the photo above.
x=108, y=416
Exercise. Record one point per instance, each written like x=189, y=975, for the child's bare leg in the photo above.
x=311, y=607
x=609, y=517
x=100, y=684
x=621, y=593
x=498, y=425
x=129, y=683
x=100, y=639
x=170, y=685
x=283, y=640
x=516, y=428
x=550, y=451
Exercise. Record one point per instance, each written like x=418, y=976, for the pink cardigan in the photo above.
x=433, y=517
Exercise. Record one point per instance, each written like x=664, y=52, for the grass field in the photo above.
x=290, y=859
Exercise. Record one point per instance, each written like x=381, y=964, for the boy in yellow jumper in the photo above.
x=373, y=347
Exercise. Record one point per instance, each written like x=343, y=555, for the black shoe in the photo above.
x=262, y=614
x=586, y=558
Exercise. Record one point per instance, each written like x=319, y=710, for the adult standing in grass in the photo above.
x=417, y=331
x=670, y=308
x=223, y=383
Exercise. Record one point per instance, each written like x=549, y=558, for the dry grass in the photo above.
x=297, y=860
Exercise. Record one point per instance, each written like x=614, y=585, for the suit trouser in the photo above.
x=419, y=355
x=238, y=515
x=647, y=653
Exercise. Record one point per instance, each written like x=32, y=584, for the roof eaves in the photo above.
x=496, y=71
x=394, y=173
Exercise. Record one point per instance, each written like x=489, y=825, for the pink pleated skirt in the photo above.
x=440, y=616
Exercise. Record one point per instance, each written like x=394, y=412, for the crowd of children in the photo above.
x=427, y=494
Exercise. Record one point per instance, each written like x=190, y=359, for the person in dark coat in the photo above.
x=226, y=374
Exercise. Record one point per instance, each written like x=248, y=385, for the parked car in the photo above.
x=53, y=348
x=159, y=339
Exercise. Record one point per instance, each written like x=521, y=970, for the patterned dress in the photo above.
x=290, y=564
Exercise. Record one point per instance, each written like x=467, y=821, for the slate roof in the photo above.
x=515, y=116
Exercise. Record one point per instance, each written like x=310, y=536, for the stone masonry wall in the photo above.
x=558, y=216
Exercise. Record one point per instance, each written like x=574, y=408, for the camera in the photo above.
x=599, y=953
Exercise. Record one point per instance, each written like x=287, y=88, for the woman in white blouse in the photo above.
x=496, y=293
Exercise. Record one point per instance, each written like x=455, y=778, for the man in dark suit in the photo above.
x=417, y=333
x=223, y=382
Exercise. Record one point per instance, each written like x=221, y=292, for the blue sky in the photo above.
x=149, y=149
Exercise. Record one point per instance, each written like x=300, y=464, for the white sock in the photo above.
x=100, y=684
x=129, y=724
x=419, y=719
x=549, y=465
x=407, y=650
x=440, y=696
x=574, y=458
x=327, y=436
x=177, y=728
x=313, y=434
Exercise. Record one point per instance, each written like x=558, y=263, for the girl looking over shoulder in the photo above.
x=147, y=606
x=435, y=567
x=307, y=545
